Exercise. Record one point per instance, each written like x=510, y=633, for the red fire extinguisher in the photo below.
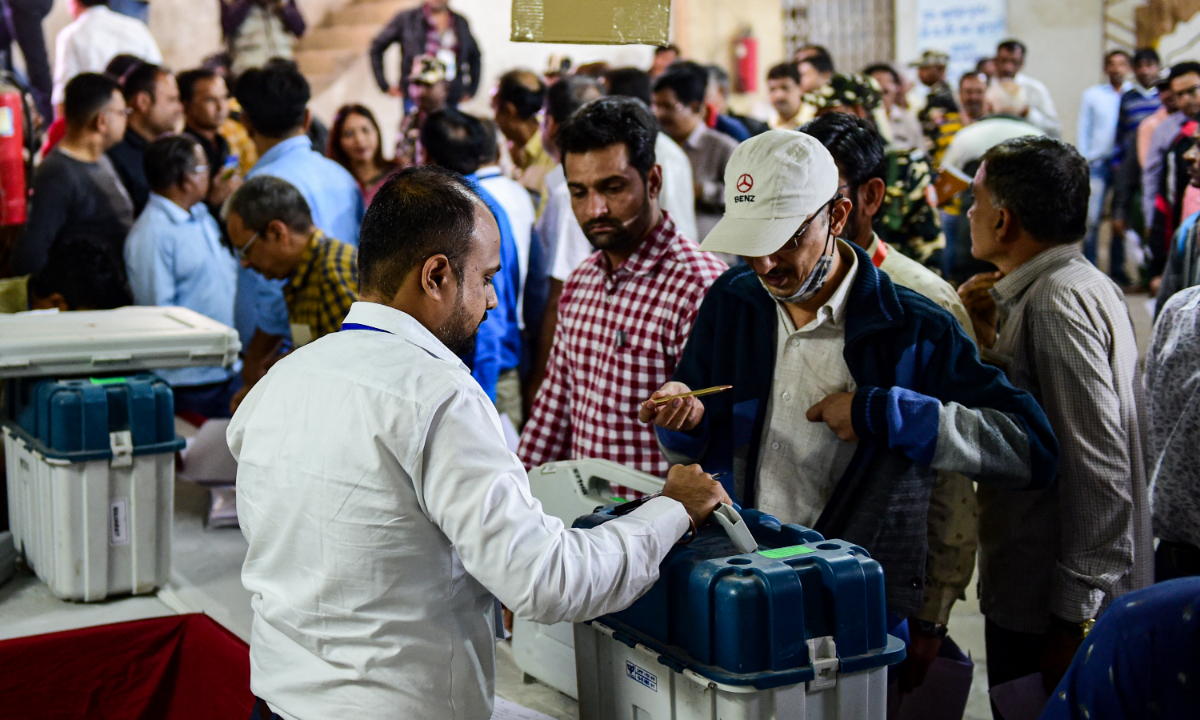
x=13, y=188
x=745, y=59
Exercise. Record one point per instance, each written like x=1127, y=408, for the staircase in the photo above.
x=1159, y=18
x=343, y=36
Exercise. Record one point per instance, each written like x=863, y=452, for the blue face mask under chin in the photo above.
x=817, y=278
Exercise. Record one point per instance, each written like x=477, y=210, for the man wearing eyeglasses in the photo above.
x=175, y=257
x=272, y=231
x=849, y=392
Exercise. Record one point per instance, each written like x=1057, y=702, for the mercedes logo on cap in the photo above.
x=745, y=183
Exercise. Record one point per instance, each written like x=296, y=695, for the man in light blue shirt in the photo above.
x=1097, y=137
x=456, y=141
x=274, y=102
x=174, y=256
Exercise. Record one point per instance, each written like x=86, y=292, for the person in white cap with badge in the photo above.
x=849, y=392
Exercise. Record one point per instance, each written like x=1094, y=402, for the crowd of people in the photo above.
x=898, y=280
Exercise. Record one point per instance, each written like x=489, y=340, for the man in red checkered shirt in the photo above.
x=626, y=312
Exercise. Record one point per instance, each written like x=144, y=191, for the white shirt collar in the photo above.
x=693, y=140
x=400, y=324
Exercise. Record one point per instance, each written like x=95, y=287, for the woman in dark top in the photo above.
x=354, y=142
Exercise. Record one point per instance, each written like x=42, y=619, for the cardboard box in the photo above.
x=594, y=22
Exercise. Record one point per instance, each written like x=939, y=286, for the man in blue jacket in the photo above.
x=849, y=392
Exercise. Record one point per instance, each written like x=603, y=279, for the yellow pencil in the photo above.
x=695, y=393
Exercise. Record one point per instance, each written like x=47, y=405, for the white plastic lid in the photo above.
x=131, y=338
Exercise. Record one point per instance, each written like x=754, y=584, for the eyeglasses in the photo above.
x=794, y=241
x=243, y=252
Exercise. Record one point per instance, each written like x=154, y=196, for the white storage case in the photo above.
x=128, y=339
x=93, y=517
x=568, y=490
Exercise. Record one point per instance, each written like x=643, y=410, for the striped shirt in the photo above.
x=620, y=334
x=1065, y=336
x=320, y=292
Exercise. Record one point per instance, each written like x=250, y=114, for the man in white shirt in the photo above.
x=517, y=204
x=1096, y=137
x=1010, y=58
x=96, y=36
x=383, y=510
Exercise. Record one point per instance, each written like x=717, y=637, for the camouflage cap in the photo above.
x=844, y=90
x=427, y=70
x=931, y=58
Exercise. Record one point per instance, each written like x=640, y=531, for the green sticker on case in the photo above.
x=108, y=381
x=785, y=552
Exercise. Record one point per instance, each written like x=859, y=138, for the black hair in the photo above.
x=785, y=70
x=524, y=90
x=568, y=95
x=188, y=79
x=856, y=146
x=821, y=62
x=1186, y=67
x=1044, y=182
x=93, y=3
x=453, y=140
x=629, y=82
x=1113, y=53
x=274, y=98
x=983, y=61
x=168, y=160
x=85, y=95
x=609, y=121
x=418, y=213
x=86, y=272
x=717, y=74
x=1012, y=45
x=688, y=80
x=885, y=68
x=141, y=78
x=669, y=47
x=489, y=149
x=817, y=50
x=1145, y=55
x=121, y=64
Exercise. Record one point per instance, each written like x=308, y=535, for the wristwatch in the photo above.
x=929, y=628
x=1076, y=630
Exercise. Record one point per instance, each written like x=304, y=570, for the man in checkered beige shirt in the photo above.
x=1051, y=561
x=627, y=311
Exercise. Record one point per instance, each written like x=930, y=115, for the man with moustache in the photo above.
x=850, y=392
x=626, y=312
x=382, y=507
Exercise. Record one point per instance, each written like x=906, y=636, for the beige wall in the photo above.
x=706, y=29
x=1064, y=40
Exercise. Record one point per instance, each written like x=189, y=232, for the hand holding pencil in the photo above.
x=677, y=407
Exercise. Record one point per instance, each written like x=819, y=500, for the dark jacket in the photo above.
x=128, y=159
x=910, y=360
x=409, y=28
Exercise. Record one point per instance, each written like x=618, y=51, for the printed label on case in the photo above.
x=118, y=522
x=641, y=675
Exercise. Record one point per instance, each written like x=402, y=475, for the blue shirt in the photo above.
x=336, y=204
x=175, y=257
x=1141, y=660
x=498, y=345
x=1098, y=113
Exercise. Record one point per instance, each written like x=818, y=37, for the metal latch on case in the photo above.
x=121, y=443
x=822, y=654
x=731, y=520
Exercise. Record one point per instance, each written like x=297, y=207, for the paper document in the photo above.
x=505, y=710
x=1021, y=699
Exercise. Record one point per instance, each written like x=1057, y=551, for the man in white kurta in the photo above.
x=383, y=509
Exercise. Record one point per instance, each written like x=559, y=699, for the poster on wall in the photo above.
x=966, y=30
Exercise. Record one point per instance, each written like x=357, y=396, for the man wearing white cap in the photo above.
x=849, y=392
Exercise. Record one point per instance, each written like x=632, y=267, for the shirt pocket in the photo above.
x=638, y=369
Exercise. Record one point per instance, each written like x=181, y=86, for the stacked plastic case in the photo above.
x=90, y=449
x=795, y=629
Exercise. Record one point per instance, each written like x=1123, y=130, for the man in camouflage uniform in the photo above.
x=428, y=89
x=939, y=116
x=908, y=221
